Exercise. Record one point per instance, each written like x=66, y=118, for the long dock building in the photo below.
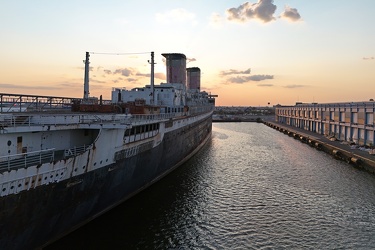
x=348, y=121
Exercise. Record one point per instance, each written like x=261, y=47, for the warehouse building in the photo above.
x=352, y=122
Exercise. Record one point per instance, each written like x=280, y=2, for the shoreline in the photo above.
x=341, y=151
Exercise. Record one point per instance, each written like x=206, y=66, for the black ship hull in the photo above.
x=33, y=218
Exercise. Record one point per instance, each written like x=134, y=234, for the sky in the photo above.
x=256, y=53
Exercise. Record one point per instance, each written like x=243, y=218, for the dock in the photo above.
x=338, y=149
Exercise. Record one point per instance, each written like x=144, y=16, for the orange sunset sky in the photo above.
x=250, y=53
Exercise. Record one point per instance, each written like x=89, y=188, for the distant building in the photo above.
x=351, y=121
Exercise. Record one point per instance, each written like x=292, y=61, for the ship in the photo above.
x=65, y=161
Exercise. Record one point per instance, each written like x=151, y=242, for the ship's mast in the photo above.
x=152, y=62
x=86, y=91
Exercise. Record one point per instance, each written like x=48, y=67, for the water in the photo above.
x=251, y=187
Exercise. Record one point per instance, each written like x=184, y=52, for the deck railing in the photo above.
x=16, y=161
x=24, y=160
x=40, y=119
x=75, y=151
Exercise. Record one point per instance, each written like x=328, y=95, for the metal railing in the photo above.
x=24, y=160
x=40, y=119
x=75, y=151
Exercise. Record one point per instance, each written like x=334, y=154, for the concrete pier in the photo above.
x=356, y=157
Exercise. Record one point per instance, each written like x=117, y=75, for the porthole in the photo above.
x=83, y=167
x=40, y=179
x=9, y=143
x=26, y=183
x=94, y=163
x=75, y=170
x=101, y=162
x=45, y=178
x=106, y=160
x=19, y=185
x=11, y=187
x=4, y=189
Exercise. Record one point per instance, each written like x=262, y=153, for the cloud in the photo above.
x=156, y=75
x=131, y=74
x=263, y=11
x=97, y=81
x=243, y=79
x=234, y=72
x=290, y=14
x=368, y=58
x=293, y=86
x=265, y=85
x=191, y=60
x=131, y=79
x=17, y=86
x=124, y=71
x=258, y=78
x=143, y=74
x=160, y=76
x=215, y=20
x=176, y=15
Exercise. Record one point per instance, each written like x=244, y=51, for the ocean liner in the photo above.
x=65, y=161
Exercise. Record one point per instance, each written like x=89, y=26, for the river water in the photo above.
x=251, y=187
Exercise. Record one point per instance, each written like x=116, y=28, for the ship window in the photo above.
x=137, y=129
x=19, y=139
x=127, y=132
x=132, y=131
